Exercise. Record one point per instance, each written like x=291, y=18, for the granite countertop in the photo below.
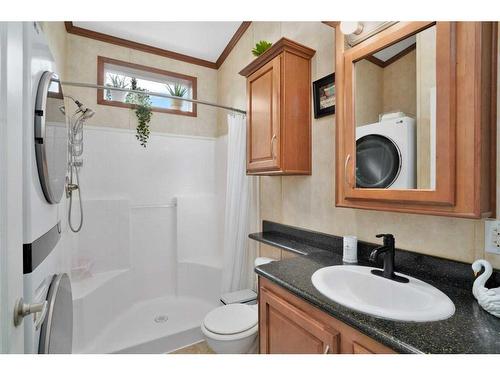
x=469, y=330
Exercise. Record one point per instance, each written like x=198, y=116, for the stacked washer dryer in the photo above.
x=47, y=289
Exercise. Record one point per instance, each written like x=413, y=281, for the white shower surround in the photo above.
x=129, y=242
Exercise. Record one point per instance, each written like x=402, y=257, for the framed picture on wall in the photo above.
x=324, y=96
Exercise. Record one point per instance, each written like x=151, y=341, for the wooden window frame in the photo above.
x=101, y=61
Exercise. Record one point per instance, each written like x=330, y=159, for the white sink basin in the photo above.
x=357, y=288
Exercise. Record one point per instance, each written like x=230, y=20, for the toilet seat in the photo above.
x=231, y=319
x=233, y=337
x=231, y=322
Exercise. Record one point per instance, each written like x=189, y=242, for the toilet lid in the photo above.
x=231, y=319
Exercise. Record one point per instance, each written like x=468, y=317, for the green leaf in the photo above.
x=143, y=112
x=177, y=90
x=261, y=47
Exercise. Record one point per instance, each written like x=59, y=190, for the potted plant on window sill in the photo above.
x=179, y=91
x=119, y=82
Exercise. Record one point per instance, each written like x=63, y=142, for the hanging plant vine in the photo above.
x=142, y=111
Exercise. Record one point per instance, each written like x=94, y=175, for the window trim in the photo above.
x=101, y=61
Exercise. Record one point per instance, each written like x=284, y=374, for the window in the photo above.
x=116, y=73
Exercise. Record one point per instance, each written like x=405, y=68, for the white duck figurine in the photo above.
x=488, y=299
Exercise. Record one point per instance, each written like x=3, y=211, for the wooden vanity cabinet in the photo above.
x=279, y=110
x=290, y=325
x=465, y=122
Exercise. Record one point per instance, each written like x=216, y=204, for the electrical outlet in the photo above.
x=492, y=236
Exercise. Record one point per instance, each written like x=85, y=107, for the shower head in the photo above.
x=87, y=113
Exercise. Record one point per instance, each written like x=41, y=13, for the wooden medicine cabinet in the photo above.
x=416, y=119
x=279, y=110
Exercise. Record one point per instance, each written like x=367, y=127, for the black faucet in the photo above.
x=388, y=250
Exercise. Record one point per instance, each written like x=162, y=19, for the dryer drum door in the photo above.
x=56, y=336
x=51, y=137
x=378, y=162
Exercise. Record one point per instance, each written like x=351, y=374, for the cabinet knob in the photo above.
x=327, y=349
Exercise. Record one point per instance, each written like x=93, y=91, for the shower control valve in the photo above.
x=70, y=188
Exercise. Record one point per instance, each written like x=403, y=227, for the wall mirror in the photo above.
x=395, y=114
x=416, y=118
x=51, y=137
x=393, y=84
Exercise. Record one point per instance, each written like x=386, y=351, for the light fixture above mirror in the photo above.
x=355, y=32
x=349, y=28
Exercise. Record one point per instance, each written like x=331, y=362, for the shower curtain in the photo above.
x=242, y=211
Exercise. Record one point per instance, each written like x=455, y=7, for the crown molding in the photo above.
x=284, y=44
x=393, y=59
x=72, y=29
x=232, y=43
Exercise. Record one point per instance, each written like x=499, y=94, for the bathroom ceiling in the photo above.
x=391, y=51
x=203, y=40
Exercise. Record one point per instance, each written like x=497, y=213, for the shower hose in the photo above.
x=77, y=180
x=75, y=152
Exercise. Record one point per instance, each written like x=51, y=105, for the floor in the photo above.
x=154, y=326
x=199, y=348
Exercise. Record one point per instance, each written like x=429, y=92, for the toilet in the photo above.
x=234, y=327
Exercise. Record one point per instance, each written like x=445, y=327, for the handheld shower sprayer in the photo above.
x=75, y=162
x=88, y=113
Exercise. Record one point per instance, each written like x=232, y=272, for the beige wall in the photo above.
x=381, y=90
x=79, y=57
x=426, y=80
x=400, y=85
x=308, y=201
x=369, y=92
x=56, y=35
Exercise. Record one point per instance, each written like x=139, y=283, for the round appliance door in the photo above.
x=378, y=162
x=56, y=335
x=51, y=137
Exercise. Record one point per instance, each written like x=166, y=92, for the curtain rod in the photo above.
x=151, y=93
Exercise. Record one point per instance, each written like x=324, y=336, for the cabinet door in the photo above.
x=285, y=329
x=408, y=136
x=263, y=121
x=357, y=348
x=431, y=156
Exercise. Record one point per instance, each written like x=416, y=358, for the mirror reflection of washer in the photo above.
x=385, y=154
